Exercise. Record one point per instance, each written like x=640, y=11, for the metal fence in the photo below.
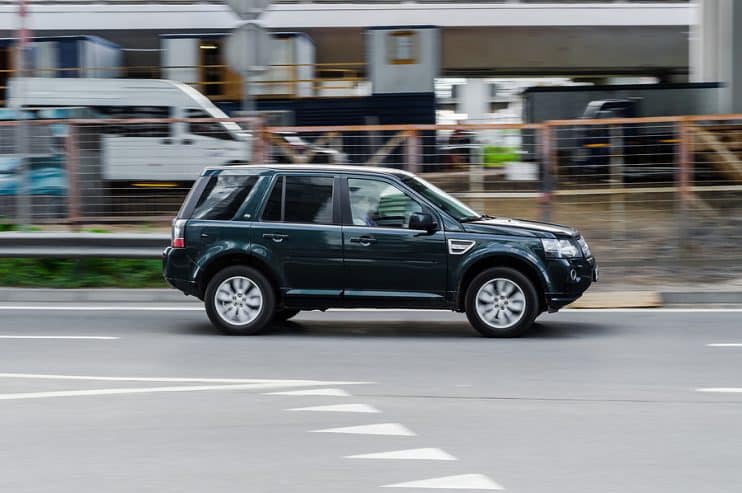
x=657, y=197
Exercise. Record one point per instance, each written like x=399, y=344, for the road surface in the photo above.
x=149, y=398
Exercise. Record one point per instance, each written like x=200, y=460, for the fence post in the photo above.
x=72, y=162
x=618, y=209
x=413, y=151
x=548, y=171
x=684, y=181
x=261, y=142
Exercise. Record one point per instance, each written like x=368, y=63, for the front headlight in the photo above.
x=560, y=248
x=584, y=247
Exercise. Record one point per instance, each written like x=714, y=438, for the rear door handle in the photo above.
x=204, y=235
x=278, y=238
x=363, y=240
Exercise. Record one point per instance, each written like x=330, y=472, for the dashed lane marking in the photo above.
x=375, y=429
x=145, y=390
x=461, y=482
x=277, y=382
x=99, y=338
x=322, y=392
x=722, y=390
x=340, y=408
x=725, y=344
x=410, y=454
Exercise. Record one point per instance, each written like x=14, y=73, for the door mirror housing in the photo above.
x=423, y=221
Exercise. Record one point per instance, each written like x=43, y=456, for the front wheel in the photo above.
x=501, y=302
x=240, y=301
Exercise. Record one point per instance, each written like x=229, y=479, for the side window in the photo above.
x=301, y=199
x=153, y=129
x=377, y=203
x=223, y=196
x=215, y=130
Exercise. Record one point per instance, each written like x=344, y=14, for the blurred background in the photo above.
x=620, y=118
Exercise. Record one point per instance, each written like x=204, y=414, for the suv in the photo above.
x=260, y=243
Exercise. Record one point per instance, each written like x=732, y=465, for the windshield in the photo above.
x=452, y=206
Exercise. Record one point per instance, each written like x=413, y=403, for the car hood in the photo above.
x=508, y=226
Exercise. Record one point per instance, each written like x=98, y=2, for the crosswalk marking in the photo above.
x=461, y=482
x=375, y=429
x=410, y=454
x=340, y=408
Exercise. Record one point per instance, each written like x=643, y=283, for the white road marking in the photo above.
x=323, y=392
x=100, y=338
x=146, y=390
x=411, y=454
x=286, y=383
x=726, y=344
x=377, y=429
x=722, y=390
x=365, y=310
x=104, y=308
x=340, y=408
x=461, y=482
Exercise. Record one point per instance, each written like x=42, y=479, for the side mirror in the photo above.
x=423, y=221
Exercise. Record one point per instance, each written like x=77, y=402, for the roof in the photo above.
x=312, y=167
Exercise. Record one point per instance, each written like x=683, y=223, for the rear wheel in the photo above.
x=240, y=301
x=501, y=302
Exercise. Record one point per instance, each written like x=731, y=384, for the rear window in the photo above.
x=222, y=196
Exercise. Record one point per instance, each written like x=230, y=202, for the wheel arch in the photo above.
x=227, y=259
x=519, y=263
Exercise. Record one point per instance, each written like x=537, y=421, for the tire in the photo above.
x=511, y=314
x=285, y=314
x=252, y=301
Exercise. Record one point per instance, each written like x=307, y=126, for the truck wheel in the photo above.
x=240, y=301
x=285, y=314
x=501, y=302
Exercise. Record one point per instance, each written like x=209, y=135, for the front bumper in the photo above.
x=570, y=279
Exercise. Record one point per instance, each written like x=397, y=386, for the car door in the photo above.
x=384, y=260
x=299, y=232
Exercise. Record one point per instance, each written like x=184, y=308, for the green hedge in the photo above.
x=83, y=273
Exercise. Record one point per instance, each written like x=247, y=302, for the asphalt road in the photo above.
x=591, y=402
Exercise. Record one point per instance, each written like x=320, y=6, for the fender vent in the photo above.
x=460, y=247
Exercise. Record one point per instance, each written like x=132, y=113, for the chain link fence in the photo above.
x=658, y=198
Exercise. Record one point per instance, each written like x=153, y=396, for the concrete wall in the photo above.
x=403, y=59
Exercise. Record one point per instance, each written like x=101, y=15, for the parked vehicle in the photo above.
x=647, y=151
x=289, y=147
x=157, y=151
x=261, y=243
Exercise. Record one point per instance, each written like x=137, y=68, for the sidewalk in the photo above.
x=623, y=298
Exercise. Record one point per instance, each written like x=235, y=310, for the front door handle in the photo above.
x=278, y=238
x=204, y=235
x=363, y=240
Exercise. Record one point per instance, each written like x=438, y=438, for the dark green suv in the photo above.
x=261, y=243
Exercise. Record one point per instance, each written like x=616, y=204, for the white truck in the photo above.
x=167, y=151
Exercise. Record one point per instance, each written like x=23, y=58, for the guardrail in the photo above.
x=78, y=245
